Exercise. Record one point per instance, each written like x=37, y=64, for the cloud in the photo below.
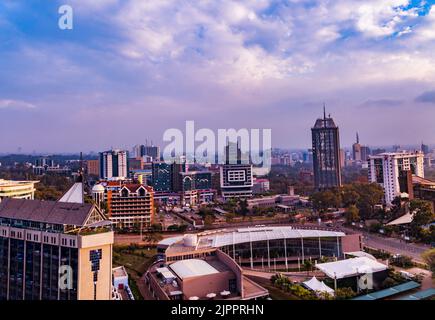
x=426, y=97
x=383, y=103
x=15, y=104
x=216, y=62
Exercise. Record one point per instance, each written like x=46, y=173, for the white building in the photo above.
x=385, y=169
x=17, y=189
x=113, y=164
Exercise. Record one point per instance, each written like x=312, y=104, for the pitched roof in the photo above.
x=45, y=211
x=74, y=194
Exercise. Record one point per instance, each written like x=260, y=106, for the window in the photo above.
x=236, y=176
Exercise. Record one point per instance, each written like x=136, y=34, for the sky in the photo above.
x=130, y=69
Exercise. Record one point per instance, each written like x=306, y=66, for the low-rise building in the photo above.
x=17, y=189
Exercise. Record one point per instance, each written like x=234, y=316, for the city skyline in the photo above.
x=127, y=64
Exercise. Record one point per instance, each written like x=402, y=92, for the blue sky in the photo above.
x=131, y=69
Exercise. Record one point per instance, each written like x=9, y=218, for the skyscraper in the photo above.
x=326, y=153
x=236, y=174
x=356, y=149
x=113, y=164
x=386, y=169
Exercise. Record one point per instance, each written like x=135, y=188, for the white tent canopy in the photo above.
x=318, y=286
x=350, y=267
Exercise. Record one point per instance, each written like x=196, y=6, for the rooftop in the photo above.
x=74, y=194
x=192, y=268
x=223, y=237
x=65, y=213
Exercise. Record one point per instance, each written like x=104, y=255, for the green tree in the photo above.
x=422, y=215
x=344, y=293
x=429, y=257
x=352, y=214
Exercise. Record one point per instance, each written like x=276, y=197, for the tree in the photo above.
x=243, y=207
x=323, y=200
x=429, y=257
x=422, y=214
x=344, y=293
x=352, y=214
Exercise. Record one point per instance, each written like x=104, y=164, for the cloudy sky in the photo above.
x=131, y=69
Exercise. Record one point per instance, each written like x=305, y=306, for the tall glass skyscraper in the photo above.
x=326, y=153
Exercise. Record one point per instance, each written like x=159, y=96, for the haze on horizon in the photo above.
x=131, y=69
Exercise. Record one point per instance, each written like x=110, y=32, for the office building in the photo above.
x=425, y=148
x=93, y=167
x=386, y=169
x=356, y=149
x=236, y=175
x=17, y=189
x=114, y=164
x=166, y=176
x=53, y=250
x=128, y=205
x=326, y=153
x=365, y=153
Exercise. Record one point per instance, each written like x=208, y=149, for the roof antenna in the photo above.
x=82, y=177
x=324, y=111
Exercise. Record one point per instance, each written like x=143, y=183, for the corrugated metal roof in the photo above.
x=390, y=291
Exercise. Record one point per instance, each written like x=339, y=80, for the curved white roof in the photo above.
x=262, y=234
x=192, y=268
x=170, y=241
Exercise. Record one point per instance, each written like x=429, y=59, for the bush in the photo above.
x=344, y=293
x=389, y=282
x=402, y=262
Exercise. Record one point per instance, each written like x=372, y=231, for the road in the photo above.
x=392, y=245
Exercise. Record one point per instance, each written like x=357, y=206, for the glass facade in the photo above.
x=33, y=271
x=282, y=250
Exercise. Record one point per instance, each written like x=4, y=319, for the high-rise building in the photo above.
x=151, y=151
x=425, y=148
x=114, y=164
x=342, y=158
x=365, y=153
x=166, y=176
x=54, y=250
x=386, y=169
x=356, y=149
x=236, y=176
x=93, y=167
x=128, y=204
x=326, y=153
